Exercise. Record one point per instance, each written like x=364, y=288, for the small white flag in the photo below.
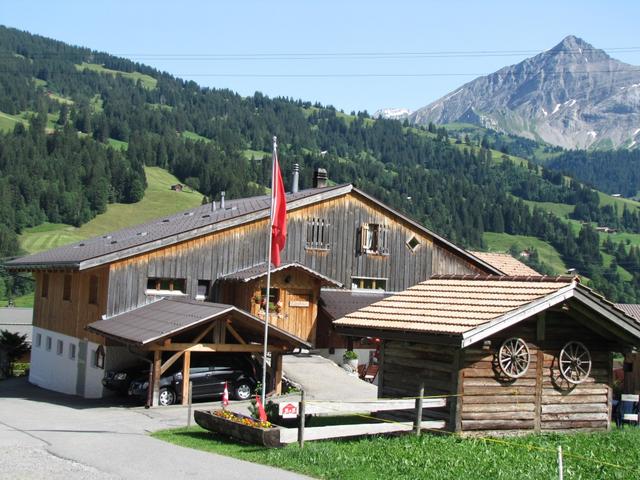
x=225, y=395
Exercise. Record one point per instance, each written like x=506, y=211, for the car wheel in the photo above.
x=243, y=391
x=167, y=397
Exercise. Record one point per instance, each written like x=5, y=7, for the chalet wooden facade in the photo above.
x=337, y=236
x=511, y=354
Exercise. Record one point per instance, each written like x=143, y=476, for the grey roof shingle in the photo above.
x=631, y=309
x=184, y=225
x=338, y=303
x=169, y=316
x=17, y=320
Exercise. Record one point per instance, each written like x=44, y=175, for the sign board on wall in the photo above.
x=288, y=410
x=299, y=303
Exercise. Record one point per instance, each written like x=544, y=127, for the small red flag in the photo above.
x=261, y=412
x=225, y=395
x=278, y=212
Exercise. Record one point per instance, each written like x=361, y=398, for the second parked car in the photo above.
x=208, y=374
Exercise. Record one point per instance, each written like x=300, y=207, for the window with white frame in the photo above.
x=368, y=283
x=47, y=343
x=59, y=347
x=374, y=238
x=72, y=351
x=166, y=286
x=38, y=339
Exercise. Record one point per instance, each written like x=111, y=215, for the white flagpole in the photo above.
x=269, y=243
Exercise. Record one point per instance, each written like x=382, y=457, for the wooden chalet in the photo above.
x=511, y=354
x=338, y=237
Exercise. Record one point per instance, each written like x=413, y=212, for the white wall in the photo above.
x=50, y=370
x=59, y=372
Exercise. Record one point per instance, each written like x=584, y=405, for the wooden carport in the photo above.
x=184, y=326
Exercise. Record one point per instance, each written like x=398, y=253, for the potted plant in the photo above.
x=351, y=358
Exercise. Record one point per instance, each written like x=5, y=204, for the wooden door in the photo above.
x=298, y=314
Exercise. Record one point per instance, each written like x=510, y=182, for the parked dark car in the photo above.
x=119, y=380
x=208, y=372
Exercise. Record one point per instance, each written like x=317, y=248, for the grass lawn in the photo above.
x=613, y=455
x=158, y=200
x=147, y=81
x=25, y=301
x=501, y=242
x=194, y=136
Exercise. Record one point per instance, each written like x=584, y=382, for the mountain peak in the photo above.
x=571, y=42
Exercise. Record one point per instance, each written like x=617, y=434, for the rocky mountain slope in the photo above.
x=574, y=96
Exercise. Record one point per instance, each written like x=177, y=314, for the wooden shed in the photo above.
x=512, y=354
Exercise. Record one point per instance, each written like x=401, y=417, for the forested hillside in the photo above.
x=615, y=171
x=81, y=125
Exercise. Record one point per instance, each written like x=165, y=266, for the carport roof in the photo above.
x=260, y=270
x=170, y=316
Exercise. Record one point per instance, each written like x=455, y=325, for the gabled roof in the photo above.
x=194, y=223
x=17, y=320
x=472, y=308
x=505, y=263
x=170, y=316
x=260, y=270
x=631, y=309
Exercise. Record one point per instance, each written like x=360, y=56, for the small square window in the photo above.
x=47, y=343
x=72, y=351
x=38, y=339
x=59, y=347
x=413, y=243
x=203, y=289
x=364, y=283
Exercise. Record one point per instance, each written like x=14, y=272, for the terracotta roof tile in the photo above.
x=505, y=263
x=454, y=304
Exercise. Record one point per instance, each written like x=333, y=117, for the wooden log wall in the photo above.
x=405, y=365
x=224, y=252
x=540, y=400
x=70, y=317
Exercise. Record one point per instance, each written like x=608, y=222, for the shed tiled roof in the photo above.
x=338, y=303
x=257, y=271
x=169, y=316
x=17, y=320
x=505, y=263
x=454, y=304
x=631, y=309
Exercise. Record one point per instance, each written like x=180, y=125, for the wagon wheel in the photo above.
x=575, y=362
x=514, y=357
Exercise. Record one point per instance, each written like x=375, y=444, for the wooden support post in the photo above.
x=186, y=366
x=276, y=367
x=418, y=422
x=189, y=400
x=155, y=387
x=301, y=412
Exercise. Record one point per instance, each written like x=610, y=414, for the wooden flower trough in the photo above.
x=239, y=427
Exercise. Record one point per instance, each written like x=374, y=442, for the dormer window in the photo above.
x=374, y=238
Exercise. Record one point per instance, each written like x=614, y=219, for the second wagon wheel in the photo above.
x=514, y=357
x=575, y=362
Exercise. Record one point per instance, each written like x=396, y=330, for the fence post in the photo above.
x=560, y=469
x=418, y=421
x=189, y=403
x=301, y=411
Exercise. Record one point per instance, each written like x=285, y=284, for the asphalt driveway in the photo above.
x=55, y=436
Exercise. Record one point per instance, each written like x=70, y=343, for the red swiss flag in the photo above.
x=278, y=212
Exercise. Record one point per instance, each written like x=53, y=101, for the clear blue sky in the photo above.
x=184, y=37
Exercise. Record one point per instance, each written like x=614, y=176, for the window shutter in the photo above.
x=364, y=238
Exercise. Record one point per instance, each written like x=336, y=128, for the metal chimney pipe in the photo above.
x=296, y=177
x=213, y=206
x=222, y=200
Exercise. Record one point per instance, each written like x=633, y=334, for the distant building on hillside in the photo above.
x=177, y=187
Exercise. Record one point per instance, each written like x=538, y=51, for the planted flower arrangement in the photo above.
x=239, y=427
